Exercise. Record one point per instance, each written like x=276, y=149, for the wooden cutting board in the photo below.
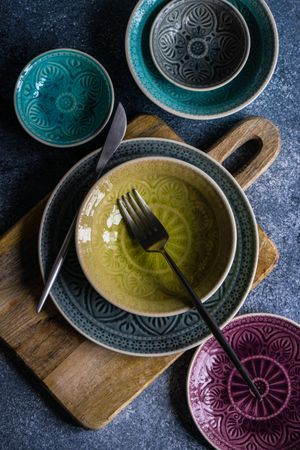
x=91, y=382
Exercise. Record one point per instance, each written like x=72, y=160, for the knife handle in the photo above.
x=57, y=264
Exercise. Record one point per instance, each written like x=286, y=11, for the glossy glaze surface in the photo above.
x=224, y=409
x=198, y=44
x=199, y=222
x=63, y=97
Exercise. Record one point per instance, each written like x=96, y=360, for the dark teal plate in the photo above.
x=63, y=97
x=228, y=99
x=107, y=325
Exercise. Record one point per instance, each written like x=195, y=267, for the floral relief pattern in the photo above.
x=108, y=325
x=199, y=44
x=194, y=217
x=63, y=97
x=215, y=393
x=206, y=104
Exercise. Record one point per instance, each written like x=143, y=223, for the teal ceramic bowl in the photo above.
x=63, y=97
x=212, y=104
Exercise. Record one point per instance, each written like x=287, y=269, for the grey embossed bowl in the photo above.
x=199, y=44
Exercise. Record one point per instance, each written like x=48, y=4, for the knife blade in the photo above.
x=114, y=138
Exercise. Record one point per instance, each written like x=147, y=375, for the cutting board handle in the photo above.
x=253, y=128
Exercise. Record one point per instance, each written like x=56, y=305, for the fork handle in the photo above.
x=212, y=325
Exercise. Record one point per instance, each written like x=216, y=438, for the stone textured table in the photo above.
x=158, y=418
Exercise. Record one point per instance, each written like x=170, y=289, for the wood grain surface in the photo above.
x=91, y=382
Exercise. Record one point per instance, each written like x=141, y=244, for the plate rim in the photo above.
x=63, y=49
x=198, y=350
x=202, y=116
x=243, y=298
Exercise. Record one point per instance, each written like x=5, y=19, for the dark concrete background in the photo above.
x=159, y=418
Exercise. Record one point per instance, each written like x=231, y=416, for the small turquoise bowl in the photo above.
x=63, y=97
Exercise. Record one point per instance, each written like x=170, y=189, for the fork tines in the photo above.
x=140, y=219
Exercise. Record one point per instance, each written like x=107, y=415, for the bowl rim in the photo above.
x=216, y=85
x=219, y=192
x=228, y=112
x=198, y=350
x=106, y=74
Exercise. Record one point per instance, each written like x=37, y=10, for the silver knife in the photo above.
x=113, y=140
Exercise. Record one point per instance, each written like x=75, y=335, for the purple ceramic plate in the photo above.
x=223, y=408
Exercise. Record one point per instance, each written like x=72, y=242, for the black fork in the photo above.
x=153, y=236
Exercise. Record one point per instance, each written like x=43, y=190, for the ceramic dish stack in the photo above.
x=108, y=324
x=183, y=63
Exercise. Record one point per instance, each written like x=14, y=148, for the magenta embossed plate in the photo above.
x=224, y=409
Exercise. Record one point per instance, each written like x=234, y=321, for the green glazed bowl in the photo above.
x=197, y=217
x=63, y=97
x=212, y=104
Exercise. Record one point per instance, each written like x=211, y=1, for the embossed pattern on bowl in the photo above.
x=209, y=104
x=197, y=217
x=107, y=325
x=63, y=97
x=225, y=410
x=199, y=45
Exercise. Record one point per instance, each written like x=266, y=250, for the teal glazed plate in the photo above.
x=63, y=97
x=110, y=326
x=212, y=104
